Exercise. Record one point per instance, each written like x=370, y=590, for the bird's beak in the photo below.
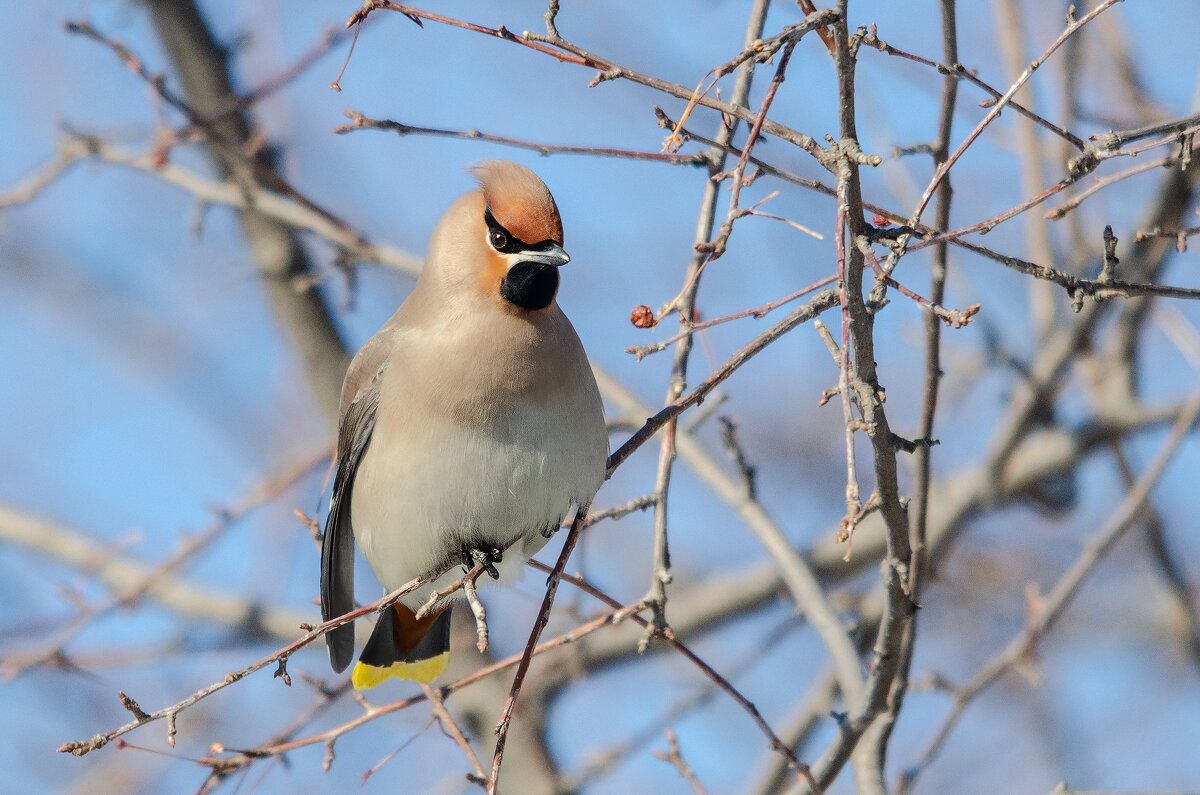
x=555, y=255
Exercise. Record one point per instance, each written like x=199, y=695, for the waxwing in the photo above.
x=470, y=424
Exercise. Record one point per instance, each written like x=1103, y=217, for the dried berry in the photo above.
x=642, y=316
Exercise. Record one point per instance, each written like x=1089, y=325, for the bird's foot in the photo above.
x=488, y=557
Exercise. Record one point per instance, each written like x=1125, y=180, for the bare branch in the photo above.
x=128, y=590
x=75, y=148
x=81, y=747
x=543, y=618
x=360, y=122
x=674, y=757
x=1054, y=604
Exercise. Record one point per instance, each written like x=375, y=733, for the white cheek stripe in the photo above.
x=509, y=259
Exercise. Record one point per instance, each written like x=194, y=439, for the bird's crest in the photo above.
x=519, y=201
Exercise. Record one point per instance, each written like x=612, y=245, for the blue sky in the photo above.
x=147, y=383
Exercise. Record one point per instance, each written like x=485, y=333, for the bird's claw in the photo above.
x=488, y=558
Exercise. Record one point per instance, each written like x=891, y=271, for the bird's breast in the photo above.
x=488, y=444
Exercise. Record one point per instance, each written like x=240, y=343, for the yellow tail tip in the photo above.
x=424, y=671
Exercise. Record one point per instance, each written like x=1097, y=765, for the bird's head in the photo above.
x=501, y=242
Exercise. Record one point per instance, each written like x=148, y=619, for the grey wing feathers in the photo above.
x=337, y=548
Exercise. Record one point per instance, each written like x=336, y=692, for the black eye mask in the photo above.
x=508, y=242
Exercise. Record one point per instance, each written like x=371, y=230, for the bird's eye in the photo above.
x=498, y=239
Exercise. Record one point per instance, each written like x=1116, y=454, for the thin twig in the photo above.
x=1180, y=236
x=717, y=679
x=360, y=122
x=1100, y=183
x=601, y=762
x=477, y=610
x=251, y=168
x=716, y=248
x=1054, y=604
x=685, y=302
x=279, y=656
x=372, y=713
x=932, y=237
x=956, y=71
x=543, y=618
x=76, y=148
x=642, y=351
x=451, y=727
x=191, y=546
x=1116, y=138
x=566, y=52
x=1073, y=26
x=674, y=757
x=815, y=306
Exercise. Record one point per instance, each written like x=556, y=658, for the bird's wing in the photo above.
x=360, y=398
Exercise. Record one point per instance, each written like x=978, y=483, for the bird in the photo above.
x=469, y=425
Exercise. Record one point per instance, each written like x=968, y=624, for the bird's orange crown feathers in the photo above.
x=519, y=201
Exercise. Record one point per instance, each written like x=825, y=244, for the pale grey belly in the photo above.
x=422, y=493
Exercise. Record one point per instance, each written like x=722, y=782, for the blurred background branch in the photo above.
x=161, y=362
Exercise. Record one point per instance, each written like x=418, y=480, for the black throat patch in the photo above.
x=530, y=285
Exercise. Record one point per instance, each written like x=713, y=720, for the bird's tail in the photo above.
x=404, y=647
